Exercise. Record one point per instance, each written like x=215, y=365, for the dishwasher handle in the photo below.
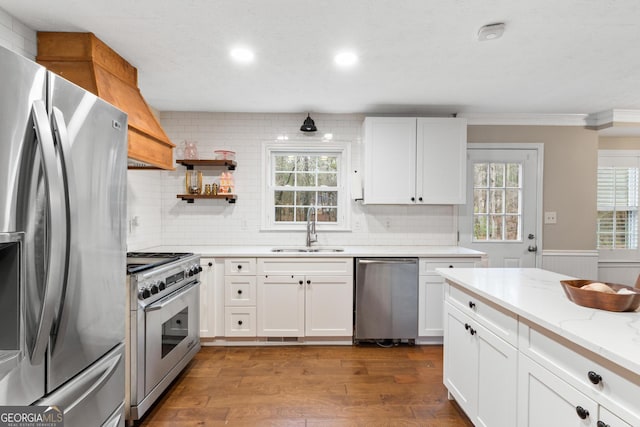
x=388, y=261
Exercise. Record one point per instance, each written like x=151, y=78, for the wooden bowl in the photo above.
x=601, y=300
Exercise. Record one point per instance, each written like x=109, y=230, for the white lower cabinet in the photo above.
x=557, y=374
x=207, y=301
x=240, y=297
x=299, y=305
x=281, y=306
x=240, y=321
x=608, y=419
x=545, y=400
x=480, y=370
x=431, y=294
x=328, y=306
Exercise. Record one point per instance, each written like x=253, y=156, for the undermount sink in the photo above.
x=306, y=250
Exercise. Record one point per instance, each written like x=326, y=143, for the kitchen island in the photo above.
x=518, y=352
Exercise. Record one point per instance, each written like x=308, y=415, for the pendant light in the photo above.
x=308, y=125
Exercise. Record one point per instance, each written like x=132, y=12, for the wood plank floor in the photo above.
x=309, y=386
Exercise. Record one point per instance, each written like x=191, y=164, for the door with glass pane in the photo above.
x=500, y=217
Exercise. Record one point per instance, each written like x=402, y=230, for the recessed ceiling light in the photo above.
x=491, y=32
x=242, y=54
x=345, y=59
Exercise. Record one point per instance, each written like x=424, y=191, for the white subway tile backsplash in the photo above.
x=215, y=222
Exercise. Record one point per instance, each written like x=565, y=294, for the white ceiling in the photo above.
x=416, y=56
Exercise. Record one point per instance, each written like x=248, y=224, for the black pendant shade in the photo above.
x=308, y=125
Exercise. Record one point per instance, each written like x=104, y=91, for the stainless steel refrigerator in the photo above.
x=63, y=157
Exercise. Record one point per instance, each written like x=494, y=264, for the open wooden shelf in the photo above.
x=189, y=163
x=231, y=198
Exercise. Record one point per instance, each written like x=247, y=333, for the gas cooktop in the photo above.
x=141, y=261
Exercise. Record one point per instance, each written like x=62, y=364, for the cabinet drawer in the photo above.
x=307, y=266
x=239, y=290
x=240, y=266
x=430, y=265
x=495, y=318
x=616, y=387
x=240, y=321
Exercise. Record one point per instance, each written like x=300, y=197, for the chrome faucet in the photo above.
x=312, y=236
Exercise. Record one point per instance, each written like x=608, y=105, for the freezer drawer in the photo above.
x=92, y=397
x=386, y=303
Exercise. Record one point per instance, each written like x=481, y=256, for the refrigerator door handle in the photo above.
x=69, y=179
x=56, y=230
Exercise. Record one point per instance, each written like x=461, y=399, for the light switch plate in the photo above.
x=550, y=218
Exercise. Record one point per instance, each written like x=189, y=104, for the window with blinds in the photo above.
x=617, y=225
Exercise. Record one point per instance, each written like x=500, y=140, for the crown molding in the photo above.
x=523, y=119
x=607, y=118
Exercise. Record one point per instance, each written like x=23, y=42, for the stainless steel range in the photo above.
x=163, y=325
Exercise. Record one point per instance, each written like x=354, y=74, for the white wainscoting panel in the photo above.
x=622, y=272
x=579, y=264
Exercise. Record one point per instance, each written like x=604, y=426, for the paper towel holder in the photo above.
x=356, y=186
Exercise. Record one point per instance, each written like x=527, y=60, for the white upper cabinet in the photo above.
x=410, y=160
x=389, y=160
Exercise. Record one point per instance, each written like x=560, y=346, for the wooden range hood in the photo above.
x=85, y=60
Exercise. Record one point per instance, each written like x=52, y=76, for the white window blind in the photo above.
x=617, y=225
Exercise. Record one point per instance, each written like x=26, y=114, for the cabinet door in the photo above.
x=280, y=307
x=460, y=360
x=329, y=306
x=608, y=419
x=207, y=303
x=545, y=400
x=430, y=306
x=389, y=160
x=441, y=154
x=497, y=375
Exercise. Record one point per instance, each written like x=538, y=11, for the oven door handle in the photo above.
x=162, y=303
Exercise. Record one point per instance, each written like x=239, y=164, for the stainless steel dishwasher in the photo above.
x=386, y=299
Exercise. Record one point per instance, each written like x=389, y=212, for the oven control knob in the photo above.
x=154, y=289
x=162, y=286
x=144, y=293
x=199, y=269
x=190, y=272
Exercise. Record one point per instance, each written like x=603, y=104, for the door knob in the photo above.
x=531, y=237
x=532, y=248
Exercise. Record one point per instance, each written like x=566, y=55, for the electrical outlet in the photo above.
x=550, y=218
x=387, y=223
x=357, y=224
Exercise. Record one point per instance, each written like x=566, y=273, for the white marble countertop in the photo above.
x=537, y=296
x=349, y=251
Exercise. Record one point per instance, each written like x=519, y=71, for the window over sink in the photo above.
x=301, y=175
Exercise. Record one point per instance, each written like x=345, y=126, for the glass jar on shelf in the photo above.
x=193, y=182
x=190, y=149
